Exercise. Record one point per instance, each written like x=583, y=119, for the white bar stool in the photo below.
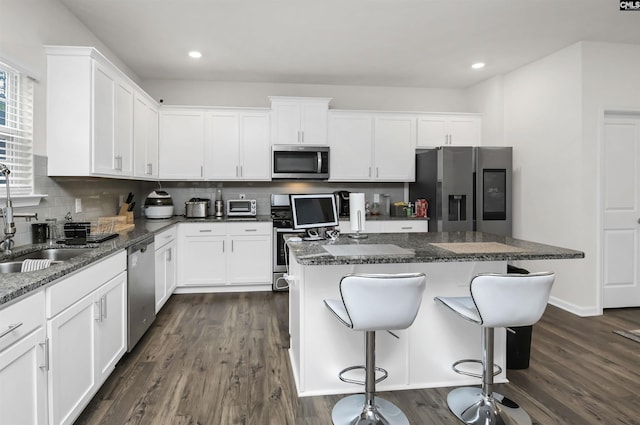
x=374, y=302
x=497, y=300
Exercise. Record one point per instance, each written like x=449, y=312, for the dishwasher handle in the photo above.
x=141, y=246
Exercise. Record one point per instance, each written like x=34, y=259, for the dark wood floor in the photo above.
x=221, y=359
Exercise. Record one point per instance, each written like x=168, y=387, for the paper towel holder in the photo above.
x=357, y=234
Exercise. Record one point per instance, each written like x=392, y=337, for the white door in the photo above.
x=351, y=138
x=256, y=149
x=23, y=381
x=621, y=196
x=112, y=325
x=72, y=373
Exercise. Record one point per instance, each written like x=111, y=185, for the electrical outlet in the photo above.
x=241, y=196
x=121, y=200
x=78, y=205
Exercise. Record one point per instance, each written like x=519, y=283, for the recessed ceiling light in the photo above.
x=195, y=54
x=478, y=65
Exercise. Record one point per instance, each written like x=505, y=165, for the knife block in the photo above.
x=125, y=213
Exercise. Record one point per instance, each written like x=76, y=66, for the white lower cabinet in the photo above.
x=224, y=254
x=87, y=316
x=250, y=258
x=23, y=362
x=166, y=271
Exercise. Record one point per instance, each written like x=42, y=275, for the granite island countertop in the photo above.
x=380, y=248
x=15, y=285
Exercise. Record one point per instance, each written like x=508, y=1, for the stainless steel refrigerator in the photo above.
x=466, y=188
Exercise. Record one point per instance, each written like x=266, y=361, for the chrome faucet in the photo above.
x=8, y=214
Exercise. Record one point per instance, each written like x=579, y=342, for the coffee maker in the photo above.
x=342, y=201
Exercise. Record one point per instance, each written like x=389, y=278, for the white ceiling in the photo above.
x=415, y=43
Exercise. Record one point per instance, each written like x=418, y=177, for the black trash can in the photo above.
x=518, y=338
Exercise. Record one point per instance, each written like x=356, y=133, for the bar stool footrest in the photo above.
x=497, y=370
x=384, y=376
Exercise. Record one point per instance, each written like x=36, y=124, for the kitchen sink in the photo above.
x=53, y=254
x=15, y=266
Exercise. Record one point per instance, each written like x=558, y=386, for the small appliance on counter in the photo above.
x=158, y=205
x=342, y=199
x=219, y=209
x=241, y=208
x=197, y=208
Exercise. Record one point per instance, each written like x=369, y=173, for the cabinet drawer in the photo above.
x=164, y=237
x=406, y=226
x=71, y=288
x=239, y=229
x=203, y=229
x=23, y=317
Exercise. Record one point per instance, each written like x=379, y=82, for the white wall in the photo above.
x=211, y=93
x=26, y=26
x=552, y=115
x=488, y=97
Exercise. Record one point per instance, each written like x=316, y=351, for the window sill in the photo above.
x=23, y=200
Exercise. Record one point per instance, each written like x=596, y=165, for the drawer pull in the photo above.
x=250, y=230
x=205, y=230
x=11, y=329
x=406, y=227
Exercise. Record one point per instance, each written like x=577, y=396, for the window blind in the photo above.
x=16, y=129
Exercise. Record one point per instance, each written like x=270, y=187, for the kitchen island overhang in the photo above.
x=422, y=356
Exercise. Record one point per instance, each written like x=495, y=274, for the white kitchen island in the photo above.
x=321, y=346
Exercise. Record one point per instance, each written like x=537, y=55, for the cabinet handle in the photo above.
x=377, y=172
x=103, y=300
x=45, y=347
x=241, y=171
x=369, y=171
x=205, y=230
x=168, y=254
x=250, y=230
x=236, y=171
x=11, y=329
x=99, y=307
x=302, y=132
x=201, y=171
x=298, y=136
x=223, y=246
x=231, y=245
x=406, y=227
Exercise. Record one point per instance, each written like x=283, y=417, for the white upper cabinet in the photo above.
x=182, y=141
x=350, y=142
x=369, y=146
x=145, y=137
x=394, y=144
x=90, y=115
x=299, y=120
x=449, y=130
x=237, y=145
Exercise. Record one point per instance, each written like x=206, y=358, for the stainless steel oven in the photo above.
x=282, y=225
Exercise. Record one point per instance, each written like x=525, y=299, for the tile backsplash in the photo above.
x=101, y=196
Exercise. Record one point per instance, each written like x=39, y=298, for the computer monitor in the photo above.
x=314, y=211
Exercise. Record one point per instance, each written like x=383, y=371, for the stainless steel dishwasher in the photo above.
x=141, y=292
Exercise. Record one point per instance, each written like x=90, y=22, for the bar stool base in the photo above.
x=351, y=411
x=473, y=408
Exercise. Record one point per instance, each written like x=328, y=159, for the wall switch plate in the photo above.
x=78, y=205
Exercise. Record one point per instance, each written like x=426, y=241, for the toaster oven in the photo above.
x=241, y=208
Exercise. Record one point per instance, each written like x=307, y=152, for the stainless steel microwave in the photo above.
x=300, y=162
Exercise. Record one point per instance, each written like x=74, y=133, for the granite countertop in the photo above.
x=380, y=248
x=15, y=285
